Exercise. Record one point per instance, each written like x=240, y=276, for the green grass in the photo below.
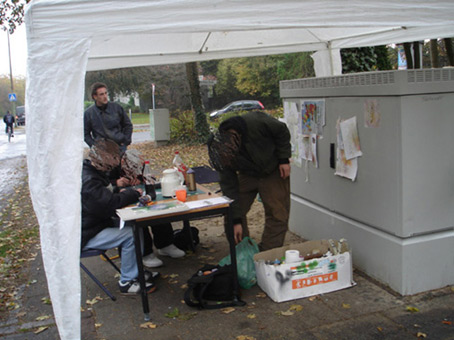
x=140, y=118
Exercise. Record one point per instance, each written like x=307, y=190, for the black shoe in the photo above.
x=151, y=276
x=133, y=287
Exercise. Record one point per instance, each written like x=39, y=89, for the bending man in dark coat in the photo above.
x=251, y=153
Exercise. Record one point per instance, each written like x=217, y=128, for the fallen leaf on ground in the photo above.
x=184, y=286
x=43, y=317
x=380, y=329
x=172, y=276
x=346, y=305
x=173, y=314
x=421, y=335
x=148, y=324
x=94, y=300
x=446, y=322
x=251, y=316
x=245, y=337
x=296, y=308
x=312, y=298
x=97, y=325
x=412, y=309
x=40, y=329
x=227, y=310
x=260, y=295
x=46, y=300
x=287, y=313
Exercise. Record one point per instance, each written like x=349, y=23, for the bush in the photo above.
x=182, y=128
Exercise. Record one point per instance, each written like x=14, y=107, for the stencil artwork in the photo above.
x=371, y=113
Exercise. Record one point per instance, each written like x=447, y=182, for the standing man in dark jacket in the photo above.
x=100, y=225
x=251, y=153
x=105, y=119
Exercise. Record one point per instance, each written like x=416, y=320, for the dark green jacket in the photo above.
x=265, y=145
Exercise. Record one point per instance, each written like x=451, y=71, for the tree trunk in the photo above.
x=200, y=119
x=434, y=53
x=417, y=55
x=408, y=55
x=449, y=52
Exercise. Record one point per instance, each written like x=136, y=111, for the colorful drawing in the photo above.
x=312, y=117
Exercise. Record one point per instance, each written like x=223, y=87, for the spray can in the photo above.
x=190, y=180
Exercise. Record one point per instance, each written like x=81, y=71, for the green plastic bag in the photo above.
x=245, y=251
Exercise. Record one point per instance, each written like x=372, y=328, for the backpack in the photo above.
x=8, y=119
x=182, y=240
x=211, y=283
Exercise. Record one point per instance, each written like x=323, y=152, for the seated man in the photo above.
x=131, y=174
x=100, y=226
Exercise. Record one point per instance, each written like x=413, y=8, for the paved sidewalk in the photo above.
x=365, y=311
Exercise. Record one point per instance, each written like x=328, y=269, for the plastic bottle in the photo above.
x=148, y=180
x=179, y=165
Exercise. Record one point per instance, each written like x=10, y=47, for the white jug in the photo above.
x=169, y=182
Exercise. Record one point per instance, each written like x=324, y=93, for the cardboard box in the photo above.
x=289, y=281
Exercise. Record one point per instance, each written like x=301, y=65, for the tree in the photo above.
x=365, y=59
x=200, y=119
x=12, y=14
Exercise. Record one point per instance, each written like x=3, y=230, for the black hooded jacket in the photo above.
x=100, y=201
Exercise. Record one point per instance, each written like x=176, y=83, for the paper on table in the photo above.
x=134, y=213
x=208, y=202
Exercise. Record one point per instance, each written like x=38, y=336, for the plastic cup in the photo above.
x=180, y=195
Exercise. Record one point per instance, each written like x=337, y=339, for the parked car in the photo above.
x=240, y=105
x=20, y=115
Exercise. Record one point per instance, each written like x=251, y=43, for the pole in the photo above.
x=13, y=104
x=152, y=94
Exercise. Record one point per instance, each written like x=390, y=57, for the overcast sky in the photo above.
x=18, y=45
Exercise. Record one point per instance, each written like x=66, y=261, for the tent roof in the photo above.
x=137, y=33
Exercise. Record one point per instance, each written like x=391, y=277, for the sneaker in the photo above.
x=152, y=261
x=133, y=287
x=171, y=251
x=151, y=276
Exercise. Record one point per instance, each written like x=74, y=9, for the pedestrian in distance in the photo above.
x=252, y=154
x=9, y=120
x=106, y=119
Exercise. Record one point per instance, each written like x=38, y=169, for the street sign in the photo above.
x=12, y=97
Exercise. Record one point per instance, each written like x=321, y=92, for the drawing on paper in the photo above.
x=371, y=113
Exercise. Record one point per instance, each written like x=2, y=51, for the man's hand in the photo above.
x=237, y=232
x=122, y=182
x=284, y=170
x=126, y=182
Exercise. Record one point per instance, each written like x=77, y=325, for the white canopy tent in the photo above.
x=66, y=38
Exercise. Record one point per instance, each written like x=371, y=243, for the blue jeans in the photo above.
x=114, y=237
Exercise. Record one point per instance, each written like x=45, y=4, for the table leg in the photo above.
x=144, y=296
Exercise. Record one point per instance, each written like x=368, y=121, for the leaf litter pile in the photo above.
x=19, y=243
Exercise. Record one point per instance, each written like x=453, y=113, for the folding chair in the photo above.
x=102, y=253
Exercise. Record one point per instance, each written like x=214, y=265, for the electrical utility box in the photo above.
x=159, y=126
x=397, y=215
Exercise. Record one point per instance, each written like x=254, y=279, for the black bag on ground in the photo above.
x=211, y=283
x=181, y=238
